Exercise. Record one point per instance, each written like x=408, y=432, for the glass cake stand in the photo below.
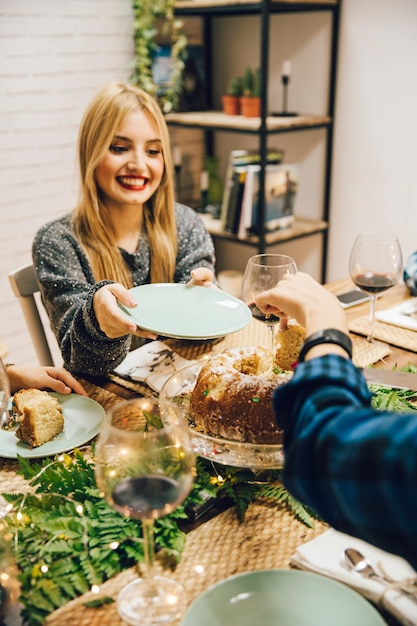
x=174, y=401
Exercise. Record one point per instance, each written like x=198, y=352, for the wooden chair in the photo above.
x=25, y=286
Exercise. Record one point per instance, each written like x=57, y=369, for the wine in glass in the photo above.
x=145, y=469
x=264, y=271
x=375, y=265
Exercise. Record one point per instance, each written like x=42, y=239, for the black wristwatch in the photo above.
x=329, y=335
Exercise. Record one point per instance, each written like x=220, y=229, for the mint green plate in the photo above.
x=82, y=420
x=281, y=598
x=187, y=311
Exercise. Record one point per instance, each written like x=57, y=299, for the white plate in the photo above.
x=82, y=420
x=187, y=311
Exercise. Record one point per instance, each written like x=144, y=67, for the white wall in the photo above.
x=55, y=54
x=374, y=169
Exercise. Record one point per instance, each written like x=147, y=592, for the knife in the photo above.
x=391, y=378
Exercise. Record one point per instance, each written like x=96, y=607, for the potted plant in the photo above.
x=231, y=100
x=155, y=22
x=250, y=102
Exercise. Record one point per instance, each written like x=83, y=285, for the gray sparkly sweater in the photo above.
x=68, y=286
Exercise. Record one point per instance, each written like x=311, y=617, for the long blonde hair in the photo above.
x=100, y=123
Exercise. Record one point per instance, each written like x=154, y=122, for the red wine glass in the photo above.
x=145, y=469
x=264, y=271
x=375, y=265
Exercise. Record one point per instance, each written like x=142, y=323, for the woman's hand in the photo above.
x=54, y=378
x=110, y=318
x=202, y=277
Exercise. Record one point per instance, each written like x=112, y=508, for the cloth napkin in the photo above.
x=152, y=364
x=325, y=555
x=397, y=315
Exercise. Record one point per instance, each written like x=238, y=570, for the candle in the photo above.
x=204, y=180
x=177, y=156
x=286, y=68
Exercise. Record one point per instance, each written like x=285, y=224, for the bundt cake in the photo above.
x=232, y=397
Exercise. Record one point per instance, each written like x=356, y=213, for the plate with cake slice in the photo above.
x=51, y=423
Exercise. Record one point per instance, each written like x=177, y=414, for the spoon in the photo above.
x=359, y=564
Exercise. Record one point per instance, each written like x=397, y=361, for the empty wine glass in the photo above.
x=264, y=271
x=145, y=470
x=375, y=265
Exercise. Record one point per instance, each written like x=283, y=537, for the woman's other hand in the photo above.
x=110, y=318
x=55, y=378
x=202, y=277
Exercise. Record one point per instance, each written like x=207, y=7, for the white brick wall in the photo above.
x=54, y=54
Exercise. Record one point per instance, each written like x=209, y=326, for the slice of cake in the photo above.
x=288, y=343
x=41, y=416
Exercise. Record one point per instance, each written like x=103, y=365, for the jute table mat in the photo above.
x=252, y=335
x=394, y=335
x=255, y=334
x=220, y=548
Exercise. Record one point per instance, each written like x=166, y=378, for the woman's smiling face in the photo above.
x=133, y=167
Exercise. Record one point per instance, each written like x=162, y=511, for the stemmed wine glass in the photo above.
x=145, y=469
x=264, y=271
x=375, y=265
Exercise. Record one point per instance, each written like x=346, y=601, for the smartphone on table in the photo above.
x=352, y=298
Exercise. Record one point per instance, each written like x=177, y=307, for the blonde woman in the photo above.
x=127, y=230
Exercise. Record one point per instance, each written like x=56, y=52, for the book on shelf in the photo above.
x=241, y=159
x=235, y=200
x=281, y=186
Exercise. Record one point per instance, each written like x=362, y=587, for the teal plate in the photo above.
x=82, y=420
x=281, y=598
x=187, y=311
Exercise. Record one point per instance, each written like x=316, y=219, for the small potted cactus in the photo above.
x=231, y=100
x=250, y=102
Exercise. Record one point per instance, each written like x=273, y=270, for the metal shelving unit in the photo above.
x=214, y=121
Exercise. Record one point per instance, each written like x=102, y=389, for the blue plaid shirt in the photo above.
x=357, y=467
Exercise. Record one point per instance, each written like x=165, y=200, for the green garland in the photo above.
x=149, y=16
x=68, y=540
x=398, y=400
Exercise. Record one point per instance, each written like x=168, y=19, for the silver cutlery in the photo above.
x=391, y=378
x=9, y=420
x=359, y=564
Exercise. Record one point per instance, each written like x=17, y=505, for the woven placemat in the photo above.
x=393, y=335
x=220, y=548
x=255, y=334
x=366, y=353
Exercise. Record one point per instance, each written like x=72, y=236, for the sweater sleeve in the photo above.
x=357, y=467
x=195, y=246
x=67, y=287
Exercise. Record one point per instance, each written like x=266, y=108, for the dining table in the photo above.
x=220, y=545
